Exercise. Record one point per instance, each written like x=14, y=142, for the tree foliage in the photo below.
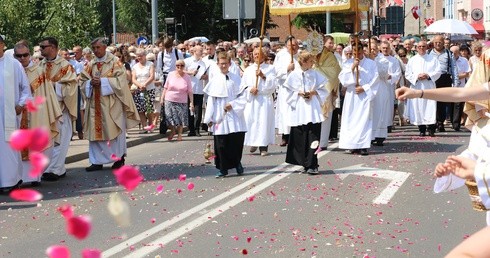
x=76, y=22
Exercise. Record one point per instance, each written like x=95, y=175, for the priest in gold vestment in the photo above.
x=59, y=75
x=110, y=108
x=328, y=65
x=48, y=113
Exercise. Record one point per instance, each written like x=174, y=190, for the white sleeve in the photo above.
x=106, y=87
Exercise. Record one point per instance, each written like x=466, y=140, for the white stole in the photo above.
x=8, y=83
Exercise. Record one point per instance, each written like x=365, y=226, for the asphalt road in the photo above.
x=381, y=205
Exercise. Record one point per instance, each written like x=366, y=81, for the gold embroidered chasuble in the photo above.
x=329, y=66
x=103, y=113
x=62, y=72
x=48, y=113
x=478, y=77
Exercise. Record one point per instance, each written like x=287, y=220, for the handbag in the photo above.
x=163, y=124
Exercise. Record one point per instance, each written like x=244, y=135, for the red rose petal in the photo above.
x=182, y=177
x=20, y=139
x=38, y=163
x=190, y=186
x=58, y=251
x=115, y=158
x=66, y=211
x=244, y=251
x=129, y=177
x=40, y=139
x=251, y=198
x=33, y=105
x=26, y=195
x=91, y=253
x=79, y=226
x=249, y=239
x=159, y=188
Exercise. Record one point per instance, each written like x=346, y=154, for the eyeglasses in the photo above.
x=179, y=65
x=246, y=60
x=45, y=46
x=421, y=46
x=22, y=55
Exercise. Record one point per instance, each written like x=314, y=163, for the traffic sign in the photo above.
x=142, y=40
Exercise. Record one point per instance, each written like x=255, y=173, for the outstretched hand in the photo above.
x=462, y=167
x=404, y=93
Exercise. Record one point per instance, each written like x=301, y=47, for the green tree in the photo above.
x=317, y=22
x=22, y=19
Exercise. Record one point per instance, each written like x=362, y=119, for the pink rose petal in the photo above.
x=33, y=105
x=153, y=220
x=40, y=139
x=159, y=188
x=179, y=190
x=115, y=158
x=79, y=226
x=20, y=139
x=38, y=163
x=58, y=251
x=26, y=195
x=66, y=211
x=182, y=177
x=190, y=186
x=129, y=177
x=91, y=253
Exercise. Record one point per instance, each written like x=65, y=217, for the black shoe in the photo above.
x=432, y=133
x=440, y=128
x=94, y=167
x=313, y=171
x=35, y=184
x=62, y=175
x=198, y=134
x=283, y=143
x=50, y=177
x=364, y=152
x=222, y=173
x=457, y=128
x=239, y=169
x=378, y=142
x=390, y=129
x=422, y=134
x=191, y=134
x=118, y=163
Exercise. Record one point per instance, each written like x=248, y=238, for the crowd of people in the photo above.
x=242, y=94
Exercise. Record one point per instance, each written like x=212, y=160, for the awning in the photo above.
x=478, y=27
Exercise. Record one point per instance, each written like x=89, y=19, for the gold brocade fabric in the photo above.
x=103, y=113
x=60, y=71
x=328, y=65
x=480, y=76
x=48, y=113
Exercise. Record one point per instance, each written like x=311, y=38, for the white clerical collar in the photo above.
x=102, y=59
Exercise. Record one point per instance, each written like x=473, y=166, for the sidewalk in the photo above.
x=79, y=148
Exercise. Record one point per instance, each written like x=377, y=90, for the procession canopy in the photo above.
x=285, y=7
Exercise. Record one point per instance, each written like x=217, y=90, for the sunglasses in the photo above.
x=22, y=55
x=44, y=46
x=179, y=65
x=402, y=55
x=246, y=60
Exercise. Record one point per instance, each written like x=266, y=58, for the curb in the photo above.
x=84, y=155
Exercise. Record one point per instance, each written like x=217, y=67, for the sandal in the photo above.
x=171, y=136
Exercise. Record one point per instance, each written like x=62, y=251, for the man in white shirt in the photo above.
x=195, y=68
x=422, y=71
x=464, y=72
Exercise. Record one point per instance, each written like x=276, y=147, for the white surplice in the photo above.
x=389, y=73
x=303, y=111
x=357, y=112
x=259, y=110
x=12, y=75
x=281, y=62
x=223, y=89
x=422, y=111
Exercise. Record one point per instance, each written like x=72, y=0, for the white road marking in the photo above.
x=171, y=236
x=198, y=209
x=397, y=178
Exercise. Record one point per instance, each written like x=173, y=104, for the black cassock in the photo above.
x=228, y=149
x=299, y=146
